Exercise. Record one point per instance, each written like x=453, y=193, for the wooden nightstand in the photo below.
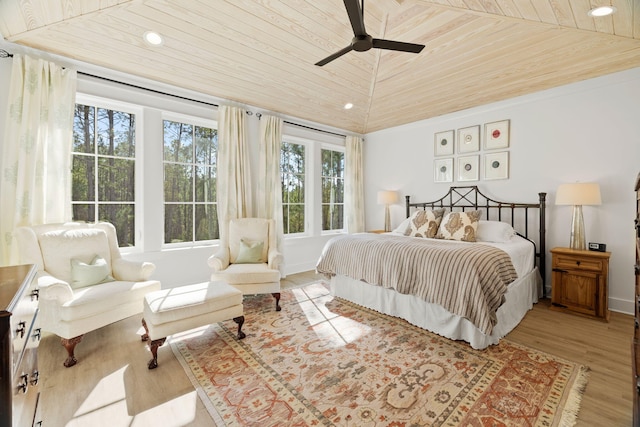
x=580, y=282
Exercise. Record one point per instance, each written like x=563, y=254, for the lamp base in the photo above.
x=387, y=219
x=577, y=240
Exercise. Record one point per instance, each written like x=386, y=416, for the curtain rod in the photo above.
x=5, y=54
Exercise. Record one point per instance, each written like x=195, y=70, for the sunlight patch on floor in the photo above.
x=106, y=405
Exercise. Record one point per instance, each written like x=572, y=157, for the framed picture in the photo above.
x=496, y=135
x=468, y=169
x=443, y=143
x=469, y=139
x=496, y=165
x=443, y=170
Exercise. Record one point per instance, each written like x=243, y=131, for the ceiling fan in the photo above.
x=362, y=41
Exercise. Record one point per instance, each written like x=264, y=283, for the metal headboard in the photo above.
x=462, y=198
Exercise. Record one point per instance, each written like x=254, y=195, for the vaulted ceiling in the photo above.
x=262, y=52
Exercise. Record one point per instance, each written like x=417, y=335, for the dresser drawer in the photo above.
x=563, y=261
x=23, y=325
x=25, y=389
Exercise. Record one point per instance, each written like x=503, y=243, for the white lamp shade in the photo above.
x=578, y=193
x=387, y=197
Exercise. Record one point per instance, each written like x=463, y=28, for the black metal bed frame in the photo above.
x=461, y=198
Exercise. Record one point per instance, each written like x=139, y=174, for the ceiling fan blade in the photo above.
x=400, y=46
x=355, y=17
x=334, y=56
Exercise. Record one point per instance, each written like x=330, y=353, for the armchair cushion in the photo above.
x=94, y=273
x=238, y=274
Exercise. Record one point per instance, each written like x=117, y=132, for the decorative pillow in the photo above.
x=459, y=226
x=96, y=272
x=494, y=231
x=424, y=223
x=250, y=252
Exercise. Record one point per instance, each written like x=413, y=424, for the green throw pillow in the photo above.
x=83, y=274
x=250, y=252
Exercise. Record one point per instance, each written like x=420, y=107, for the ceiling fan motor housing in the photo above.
x=362, y=43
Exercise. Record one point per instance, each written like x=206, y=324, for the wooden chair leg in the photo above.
x=276, y=295
x=153, y=345
x=70, y=345
x=145, y=336
x=240, y=322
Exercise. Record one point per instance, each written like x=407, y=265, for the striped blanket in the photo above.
x=467, y=279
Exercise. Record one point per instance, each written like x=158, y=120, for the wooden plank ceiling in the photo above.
x=262, y=52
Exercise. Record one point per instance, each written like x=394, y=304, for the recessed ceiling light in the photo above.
x=153, y=38
x=601, y=11
x=348, y=106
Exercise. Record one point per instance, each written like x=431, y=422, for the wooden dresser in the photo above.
x=635, y=348
x=19, y=339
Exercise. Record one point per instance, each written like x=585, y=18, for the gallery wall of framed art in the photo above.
x=472, y=153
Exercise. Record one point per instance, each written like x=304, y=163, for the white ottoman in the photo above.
x=169, y=311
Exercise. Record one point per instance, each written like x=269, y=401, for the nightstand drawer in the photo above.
x=562, y=261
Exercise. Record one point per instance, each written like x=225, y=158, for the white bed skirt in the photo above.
x=520, y=297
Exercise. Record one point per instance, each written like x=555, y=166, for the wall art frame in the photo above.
x=468, y=168
x=496, y=165
x=496, y=135
x=443, y=143
x=443, y=170
x=469, y=139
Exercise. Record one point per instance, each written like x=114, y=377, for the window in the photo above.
x=292, y=166
x=103, y=171
x=332, y=190
x=190, y=211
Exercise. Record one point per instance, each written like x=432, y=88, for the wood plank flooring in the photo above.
x=111, y=385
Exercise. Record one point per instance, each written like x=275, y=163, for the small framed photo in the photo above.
x=469, y=139
x=443, y=170
x=496, y=165
x=468, y=169
x=496, y=135
x=443, y=143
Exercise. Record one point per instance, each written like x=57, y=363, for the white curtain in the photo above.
x=354, y=185
x=269, y=185
x=233, y=168
x=36, y=160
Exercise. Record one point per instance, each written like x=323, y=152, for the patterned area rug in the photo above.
x=326, y=361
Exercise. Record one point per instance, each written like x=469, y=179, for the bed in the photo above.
x=476, y=292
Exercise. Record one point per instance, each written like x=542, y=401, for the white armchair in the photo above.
x=83, y=281
x=248, y=258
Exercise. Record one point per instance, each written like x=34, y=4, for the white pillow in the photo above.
x=403, y=226
x=494, y=231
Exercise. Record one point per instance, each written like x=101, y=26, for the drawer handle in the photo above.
x=578, y=263
x=35, y=376
x=37, y=334
x=22, y=326
x=35, y=294
x=24, y=383
x=636, y=268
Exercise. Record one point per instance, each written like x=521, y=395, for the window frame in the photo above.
x=340, y=149
x=138, y=111
x=308, y=183
x=193, y=121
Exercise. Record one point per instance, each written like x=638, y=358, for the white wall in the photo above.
x=587, y=131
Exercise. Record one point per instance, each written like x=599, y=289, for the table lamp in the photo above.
x=387, y=198
x=578, y=194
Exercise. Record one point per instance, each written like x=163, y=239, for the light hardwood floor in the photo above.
x=111, y=385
